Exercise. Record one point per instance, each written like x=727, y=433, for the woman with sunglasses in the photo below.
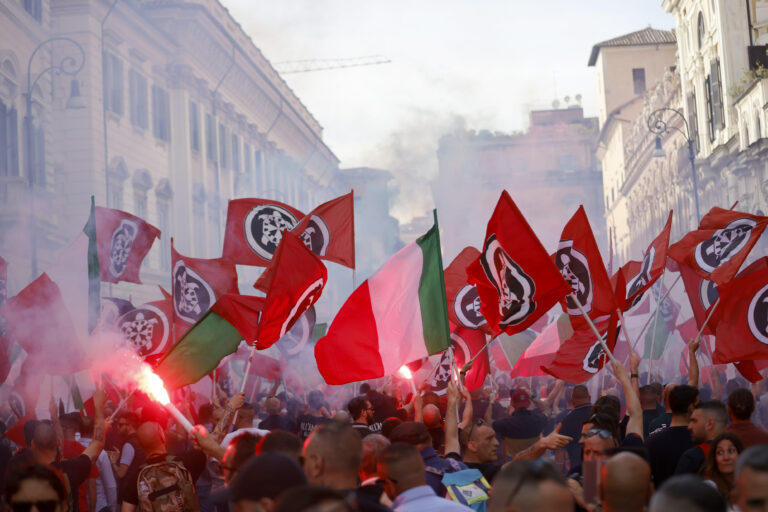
x=34, y=488
x=721, y=463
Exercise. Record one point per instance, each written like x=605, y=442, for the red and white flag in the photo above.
x=716, y=250
x=463, y=300
x=123, y=242
x=742, y=329
x=329, y=230
x=197, y=284
x=702, y=293
x=468, y=343
x=255, y=228
x=641, y=276
x=149, y=329
x=540, y=353
x=581, y=265
x=298, y=279
x=581, y=356
x=515, y=278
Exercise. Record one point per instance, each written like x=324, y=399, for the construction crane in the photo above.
x=304, y=66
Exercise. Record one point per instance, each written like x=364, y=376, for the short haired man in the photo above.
x=243, y=424
x=741, y=405
x=479, y=445
x=402, y=471
x=750, y=489
x=275, y=420
x=361, y=410
x=572, y=422
x=314, y=416
x=688, y=493
x=530, y=486
x=373, y=448
x=625, y=483
x=283, y=442
x=262, y=479
x=666, y=446
x=708, y=420
x=522, y=428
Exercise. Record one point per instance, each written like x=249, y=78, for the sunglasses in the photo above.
x=604, y=434
x=26, y=506
x=471, y=428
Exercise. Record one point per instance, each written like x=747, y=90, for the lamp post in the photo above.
x=68, y=65
x=657, y=125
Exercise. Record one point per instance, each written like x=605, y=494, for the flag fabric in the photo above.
x=397, y=316
x=293, y=342
x=541, y=352
x=581, y=356
x=702, y=293
x=111, y=309
x=581, y=265
x=748, y=370
x=148, y=329
x=716, y=250
x=663, y=326
x=643, y=275
x=39, y=321
x=243, y=312
x=329, y=230
x=500, y=361
x=94, y=270
x=298, y=279
x=463, y=300
x=468, y=343
x=123, y=242
x=255, y=228
x=197, y=284
x=742, y=332
x=516, y=280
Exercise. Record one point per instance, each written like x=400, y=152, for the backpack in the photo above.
x=166, y=486
x=468, y=487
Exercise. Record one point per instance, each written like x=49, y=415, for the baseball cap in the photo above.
x=521, y=399
x=264, y=476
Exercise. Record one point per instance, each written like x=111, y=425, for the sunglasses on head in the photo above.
x=26, y=506
x=604, y=434
x=471, y=428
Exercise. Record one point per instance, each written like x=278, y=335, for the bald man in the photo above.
x=625, y=483
x=530, y=486
x=275, y=420
x=151, y=437
x=433, y=420
x=402, y=471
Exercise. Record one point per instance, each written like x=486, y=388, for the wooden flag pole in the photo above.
x=594, y=328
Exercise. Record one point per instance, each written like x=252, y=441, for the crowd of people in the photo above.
x=527, y=445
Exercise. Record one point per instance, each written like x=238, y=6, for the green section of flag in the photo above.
x=77, y=398
x=94, y=271
x=432, y=299
x=199, y=351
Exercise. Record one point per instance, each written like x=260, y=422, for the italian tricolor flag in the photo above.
x=397, y=316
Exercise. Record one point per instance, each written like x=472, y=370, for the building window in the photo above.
x=165, y=241
x=701, y=33
x=34, y=8
x=194, y=126
x=718, y=114
x=210, y=137
x=566, y=162
x=113, y=83
x=223, y=160
x=638, y=80
x=235, y=153
x=710, y=109
x=137, y=91
x=693, y=122
x=9, y=141
x=161, y=113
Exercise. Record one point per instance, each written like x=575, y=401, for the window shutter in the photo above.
x=717, y=98
x=692, y=122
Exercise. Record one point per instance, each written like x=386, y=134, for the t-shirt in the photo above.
x=749, y=433
x=664, y=451
x=193, y=461
x=307, y=424
x=571, y=425
x=279, y=422
x=361, y=429
x=71, y=449
x=76, y=470
x=127, y=453
x=661, y=421
x=521, y=424
x=692, y=460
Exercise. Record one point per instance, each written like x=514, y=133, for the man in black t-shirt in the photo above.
x=479, y=444
x=275, y=420
x=307, y=422
x=361, y=411
x=523, y=425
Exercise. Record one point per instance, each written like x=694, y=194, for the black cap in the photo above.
x=264, y=476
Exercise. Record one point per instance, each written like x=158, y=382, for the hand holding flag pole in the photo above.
x=594, y=329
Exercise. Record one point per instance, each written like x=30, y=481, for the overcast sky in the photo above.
x=480, y=64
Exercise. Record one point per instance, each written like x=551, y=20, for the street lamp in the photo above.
x=657, y=125
x=69, y=66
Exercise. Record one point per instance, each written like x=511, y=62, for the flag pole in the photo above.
x=248, y=367
x=655, y=324
x=594, y=328
x=701, y=330
x=642, y=331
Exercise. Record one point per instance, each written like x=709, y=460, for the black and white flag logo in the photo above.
x=146, y=328
x=757, y=315
x=308, y=297
x=708, y=293
x=264, y=226
x=316, y=235
x=724, y=244
x=466, y=307
x=192, y=295
x=574, y=267
x=596, y=353
x=643, y=277
x=121, y=245
x=515, y=288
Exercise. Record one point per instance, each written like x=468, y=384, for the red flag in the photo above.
x=329, y=230
x=688, y=329
x=148, y=329
x=515, y=278
x=463, y=300
x=197, y=284
x=466, y=344
x=39, y=321
x=242, y=311
x=579, y=261
x=742, y=331
x=255, y=228
x=581, y=356
x=716, y=250
x=298, y=280
x=123, y=241
x=702, y=293
x=748, y=370
x=640, y=277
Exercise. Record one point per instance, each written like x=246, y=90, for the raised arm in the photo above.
x=466, y=418
x=451, y=420
x=99, y=425
x=234, y=403
x=634, y=409
x=693, y=363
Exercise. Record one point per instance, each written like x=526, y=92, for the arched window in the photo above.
x=701, y=31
